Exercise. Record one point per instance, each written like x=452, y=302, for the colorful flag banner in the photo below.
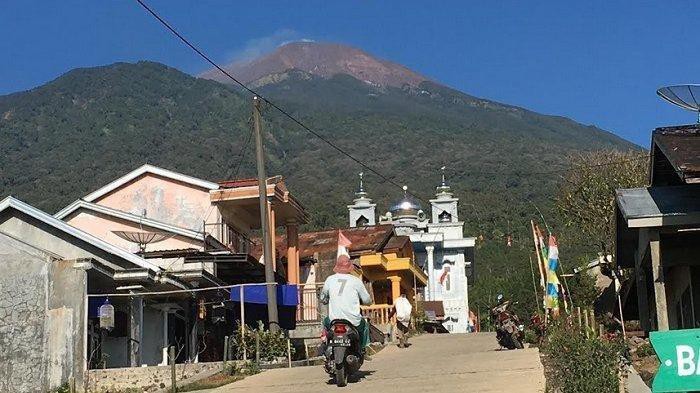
x=343, y=245
x=552, y=295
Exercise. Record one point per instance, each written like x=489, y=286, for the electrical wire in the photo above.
x=269, y=102
x=298, y=122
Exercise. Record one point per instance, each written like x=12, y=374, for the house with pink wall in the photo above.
x=202, y=232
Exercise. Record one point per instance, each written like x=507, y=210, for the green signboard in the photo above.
x=679, y=354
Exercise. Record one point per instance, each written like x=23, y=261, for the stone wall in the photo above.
x=147, y=379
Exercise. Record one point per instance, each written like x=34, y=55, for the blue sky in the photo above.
x=597, y=62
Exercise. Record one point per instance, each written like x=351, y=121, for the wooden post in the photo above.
x=226, y=354
x=289, y=353
x=593, y=324
x=257, y=347
x=641, y=277
x=601, y=330
x=540, y=265
x=245, y=347
x=659, y=281
x=173, y=383
x=578, y=315
x=585, y=317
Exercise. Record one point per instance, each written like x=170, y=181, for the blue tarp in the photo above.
x=287, y=295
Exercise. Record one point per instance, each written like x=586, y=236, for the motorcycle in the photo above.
x=343, y=354
x=509, y=331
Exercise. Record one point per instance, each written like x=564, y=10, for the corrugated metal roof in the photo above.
x=658, y=202
x=681, y=147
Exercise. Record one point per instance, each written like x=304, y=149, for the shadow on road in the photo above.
x=355, y=378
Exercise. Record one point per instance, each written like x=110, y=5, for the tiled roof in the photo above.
x=364, y=240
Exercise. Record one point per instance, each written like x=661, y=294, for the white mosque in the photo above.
x=439, y=245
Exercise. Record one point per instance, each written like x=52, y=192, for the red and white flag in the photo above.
x=343, y=245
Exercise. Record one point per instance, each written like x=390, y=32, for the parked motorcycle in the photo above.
x=343, y=353
x=509, y=330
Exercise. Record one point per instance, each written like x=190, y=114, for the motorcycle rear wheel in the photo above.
x=341, y=377
x=516, y=341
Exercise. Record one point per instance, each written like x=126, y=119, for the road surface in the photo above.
x=435, y=363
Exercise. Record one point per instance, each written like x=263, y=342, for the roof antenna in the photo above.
x=684, y=96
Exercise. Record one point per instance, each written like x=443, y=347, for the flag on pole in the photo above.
x=343, y=245
x=552, y=295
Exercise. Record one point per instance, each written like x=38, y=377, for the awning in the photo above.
x=287, y=295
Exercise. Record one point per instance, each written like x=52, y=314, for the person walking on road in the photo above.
x=402, y=309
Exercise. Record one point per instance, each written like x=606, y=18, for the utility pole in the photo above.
x=264, y=220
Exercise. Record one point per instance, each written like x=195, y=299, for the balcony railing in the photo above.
x=234, y=240
x=378, y=314
x=310, y=308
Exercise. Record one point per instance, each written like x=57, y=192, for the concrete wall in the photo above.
x=103, y=226
x=41, y=319
x=40, y=235
x=146, y=379
x=163, y=199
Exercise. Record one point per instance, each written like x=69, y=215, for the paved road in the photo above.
x=436, y=363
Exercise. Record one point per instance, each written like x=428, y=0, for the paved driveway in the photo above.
x=435, y=363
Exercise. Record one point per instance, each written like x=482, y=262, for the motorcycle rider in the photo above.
x=343, y=292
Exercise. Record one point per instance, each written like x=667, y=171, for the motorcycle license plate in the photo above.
x=340, y=342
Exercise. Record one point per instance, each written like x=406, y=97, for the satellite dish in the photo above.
x=143, y=238
x=684, y=96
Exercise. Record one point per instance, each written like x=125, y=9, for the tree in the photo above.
x=586, y=198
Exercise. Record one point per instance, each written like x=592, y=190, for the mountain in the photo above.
x=66, y=138
x=324, y=60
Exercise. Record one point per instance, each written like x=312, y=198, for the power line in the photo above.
x=326, y=140
x=267, y=101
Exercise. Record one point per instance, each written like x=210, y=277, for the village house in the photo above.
x=383, y=260
x=658, y=232
x=151, y=230
x=202, y=232
x=49, y=333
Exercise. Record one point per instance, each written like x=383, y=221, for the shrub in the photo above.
x=579, y=364
x=272, y=345
x=644, y=350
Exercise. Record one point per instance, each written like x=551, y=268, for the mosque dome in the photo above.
x=406, y=207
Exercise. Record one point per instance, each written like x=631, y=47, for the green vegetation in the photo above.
x=231, y=374
x=586, y=198
x=576, y=364
x=645, y=349
x=272, y=345
x=61, y=141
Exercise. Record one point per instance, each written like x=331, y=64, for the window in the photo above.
x=362, y=221
x=445, y=217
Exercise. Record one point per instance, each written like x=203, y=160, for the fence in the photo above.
x=378, y=314
x=308, y=309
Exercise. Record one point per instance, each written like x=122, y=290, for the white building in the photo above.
x=440, y=248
